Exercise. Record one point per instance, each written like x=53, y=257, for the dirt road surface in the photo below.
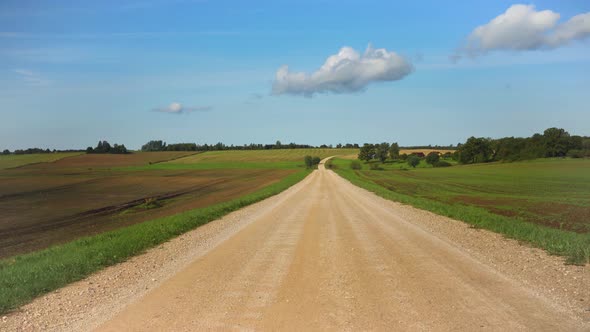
x=326, y=255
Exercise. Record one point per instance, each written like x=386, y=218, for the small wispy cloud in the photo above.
x=178, y=108
x=523, y=28
x=30, y=77
x=345, y=72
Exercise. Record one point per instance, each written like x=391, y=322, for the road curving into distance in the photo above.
x=324, y=255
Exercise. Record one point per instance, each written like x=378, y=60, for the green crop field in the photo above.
x=262, y=156
x=11, y=161
x=551, y=195
x=253, y=159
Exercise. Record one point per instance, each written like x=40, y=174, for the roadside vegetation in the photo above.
x=27, y=276
x=311, y=162
x=544, y=202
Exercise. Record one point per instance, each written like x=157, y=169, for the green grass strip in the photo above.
x=574, y=246
x=24, y=277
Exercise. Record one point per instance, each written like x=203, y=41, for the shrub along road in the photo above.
x=325, y=255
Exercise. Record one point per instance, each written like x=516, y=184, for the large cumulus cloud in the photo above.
x=521, y=28
x=345, y=72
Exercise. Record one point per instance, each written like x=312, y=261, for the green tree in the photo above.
x=557, y=141
x=394, y=151
x=315, y=161
x=432, y=158
x=367, y=152
x=413, y=161
x=154, y=146
x=381, y=151
x=475, y=150
x=308, y=161
x=5, y=152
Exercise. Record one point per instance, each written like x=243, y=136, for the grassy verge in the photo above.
x=24, y=277
x=575, y=246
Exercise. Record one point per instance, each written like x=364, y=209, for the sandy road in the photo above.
x=330, y=256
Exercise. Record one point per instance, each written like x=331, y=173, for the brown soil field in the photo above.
x=51, y=203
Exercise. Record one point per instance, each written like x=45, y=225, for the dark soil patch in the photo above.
x=49, y=208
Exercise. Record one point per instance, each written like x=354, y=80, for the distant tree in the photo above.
x=278, y=145
x=557, y=141
x=381, y=151
x=5, y=152
x=154, y=146
x=105, y=147
x=475, y=150
x=432, y=158
x=394, y=151
x=367, y=152
x=182, y=147
x=119, y=149
x=219, y=146
x=308, y=161
x=338, y=146
x=413, y=161
x=403, y=156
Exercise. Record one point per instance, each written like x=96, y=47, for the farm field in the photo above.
x=50, y=203
x=286, y=158
x=11, y=161
x=551, y=192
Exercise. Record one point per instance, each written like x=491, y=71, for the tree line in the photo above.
x=105, y=147
x=384, y=151
x=35, y=151
x=554, y=142
x=159, y=145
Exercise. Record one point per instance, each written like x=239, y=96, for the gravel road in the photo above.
x=325, y=255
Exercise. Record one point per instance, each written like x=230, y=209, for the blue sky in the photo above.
x=74, y=72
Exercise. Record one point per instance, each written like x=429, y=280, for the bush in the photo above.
x=355, y=164
x=578, y=153
x=308, y=161
x=432, y=158
x=375, y=167
x=413, y=161
x=442, y=163
x=315, y=161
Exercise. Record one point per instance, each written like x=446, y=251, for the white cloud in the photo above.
x=177, y=108
x=345, y=72
x=521, y=28
x=30, y=77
